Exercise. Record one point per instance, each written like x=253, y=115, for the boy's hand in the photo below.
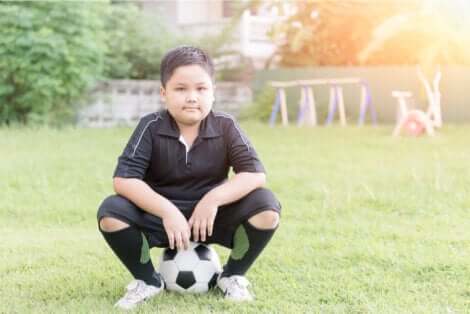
x=177, y=229
x=202, y=219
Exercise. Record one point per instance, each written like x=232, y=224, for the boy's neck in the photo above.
x=189, y=130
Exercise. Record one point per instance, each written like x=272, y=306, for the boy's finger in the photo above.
x=196, y=231
x=210, y=227
x=202, y=230
x=179, y=241
x=186, y=240
x=171, y=241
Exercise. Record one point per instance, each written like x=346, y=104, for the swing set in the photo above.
x=307, y=113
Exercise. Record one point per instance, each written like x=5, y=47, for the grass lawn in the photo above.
x=371, y=224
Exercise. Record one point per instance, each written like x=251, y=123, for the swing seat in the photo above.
x=411, y=122
x=417, y=123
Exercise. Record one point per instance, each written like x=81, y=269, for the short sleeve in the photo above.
x=242, y=155
x=135, y=159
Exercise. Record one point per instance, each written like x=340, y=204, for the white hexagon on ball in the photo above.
x=187, y=259
x=205, y=270
x=170, y=270
x=190, y=271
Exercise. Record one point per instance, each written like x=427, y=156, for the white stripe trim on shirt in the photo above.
x=224, y=115
x=142, y=134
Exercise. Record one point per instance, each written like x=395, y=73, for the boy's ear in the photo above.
x=162, y=93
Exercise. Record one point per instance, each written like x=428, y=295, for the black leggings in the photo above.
x=228, y=218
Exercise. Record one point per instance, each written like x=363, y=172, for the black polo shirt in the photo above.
x=156, y=155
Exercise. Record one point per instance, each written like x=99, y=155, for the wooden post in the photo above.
x=302, y=106
x=342, y=112
x=331, y=105
x=312, y=107
x=362, y=106
x=282, y=94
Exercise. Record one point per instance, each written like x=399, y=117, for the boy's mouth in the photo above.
x=191, y=108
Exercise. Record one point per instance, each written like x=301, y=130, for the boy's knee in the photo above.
x=268, y=219
x=110, y=224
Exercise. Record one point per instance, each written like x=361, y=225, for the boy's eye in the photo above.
x=180, y=89
x=201, y=88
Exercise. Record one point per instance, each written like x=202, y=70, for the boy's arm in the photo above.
x=242, y=157
x=236, y=188
x=138, y=192
x=242, y=183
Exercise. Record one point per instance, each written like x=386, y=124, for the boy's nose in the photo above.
x=191, y=97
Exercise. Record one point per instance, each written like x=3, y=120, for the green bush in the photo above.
x=50, y=53
x=261, y=107
x=136, y=42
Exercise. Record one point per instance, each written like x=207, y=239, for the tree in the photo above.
x=369, y=32
x=428, y=35
x=135, y=42
x=326, y=32
x=50, y=53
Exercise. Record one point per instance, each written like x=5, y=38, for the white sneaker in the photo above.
x=137, y=292
x=235, y=288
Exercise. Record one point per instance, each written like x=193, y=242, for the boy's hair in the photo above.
x=181, y=56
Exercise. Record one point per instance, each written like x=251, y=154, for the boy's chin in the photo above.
x=190, y=121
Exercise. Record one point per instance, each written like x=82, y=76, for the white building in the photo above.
x=199, y=18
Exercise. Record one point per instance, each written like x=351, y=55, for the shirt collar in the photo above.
x=207, y=129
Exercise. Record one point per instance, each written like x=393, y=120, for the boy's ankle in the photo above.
x=156, y=280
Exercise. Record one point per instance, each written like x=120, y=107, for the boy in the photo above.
x=172, y=186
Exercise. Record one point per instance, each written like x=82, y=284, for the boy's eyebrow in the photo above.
x=197, y=83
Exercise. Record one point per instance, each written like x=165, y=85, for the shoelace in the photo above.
x=135, y=291
x=241, y=283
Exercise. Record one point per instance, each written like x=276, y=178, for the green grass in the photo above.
x=370, y=223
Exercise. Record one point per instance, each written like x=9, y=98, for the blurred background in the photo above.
x=371, y=223
x=97, y=63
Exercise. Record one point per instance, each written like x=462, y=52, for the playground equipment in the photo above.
x=416, y=122
x=307, y=106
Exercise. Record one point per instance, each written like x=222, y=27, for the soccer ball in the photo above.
x=190, y=271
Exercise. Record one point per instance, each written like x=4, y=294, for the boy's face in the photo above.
x=188, y=94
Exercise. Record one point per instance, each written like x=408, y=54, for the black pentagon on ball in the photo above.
x=203, y=252
x=169, y=254
x=213, y=281
x=185, y=279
